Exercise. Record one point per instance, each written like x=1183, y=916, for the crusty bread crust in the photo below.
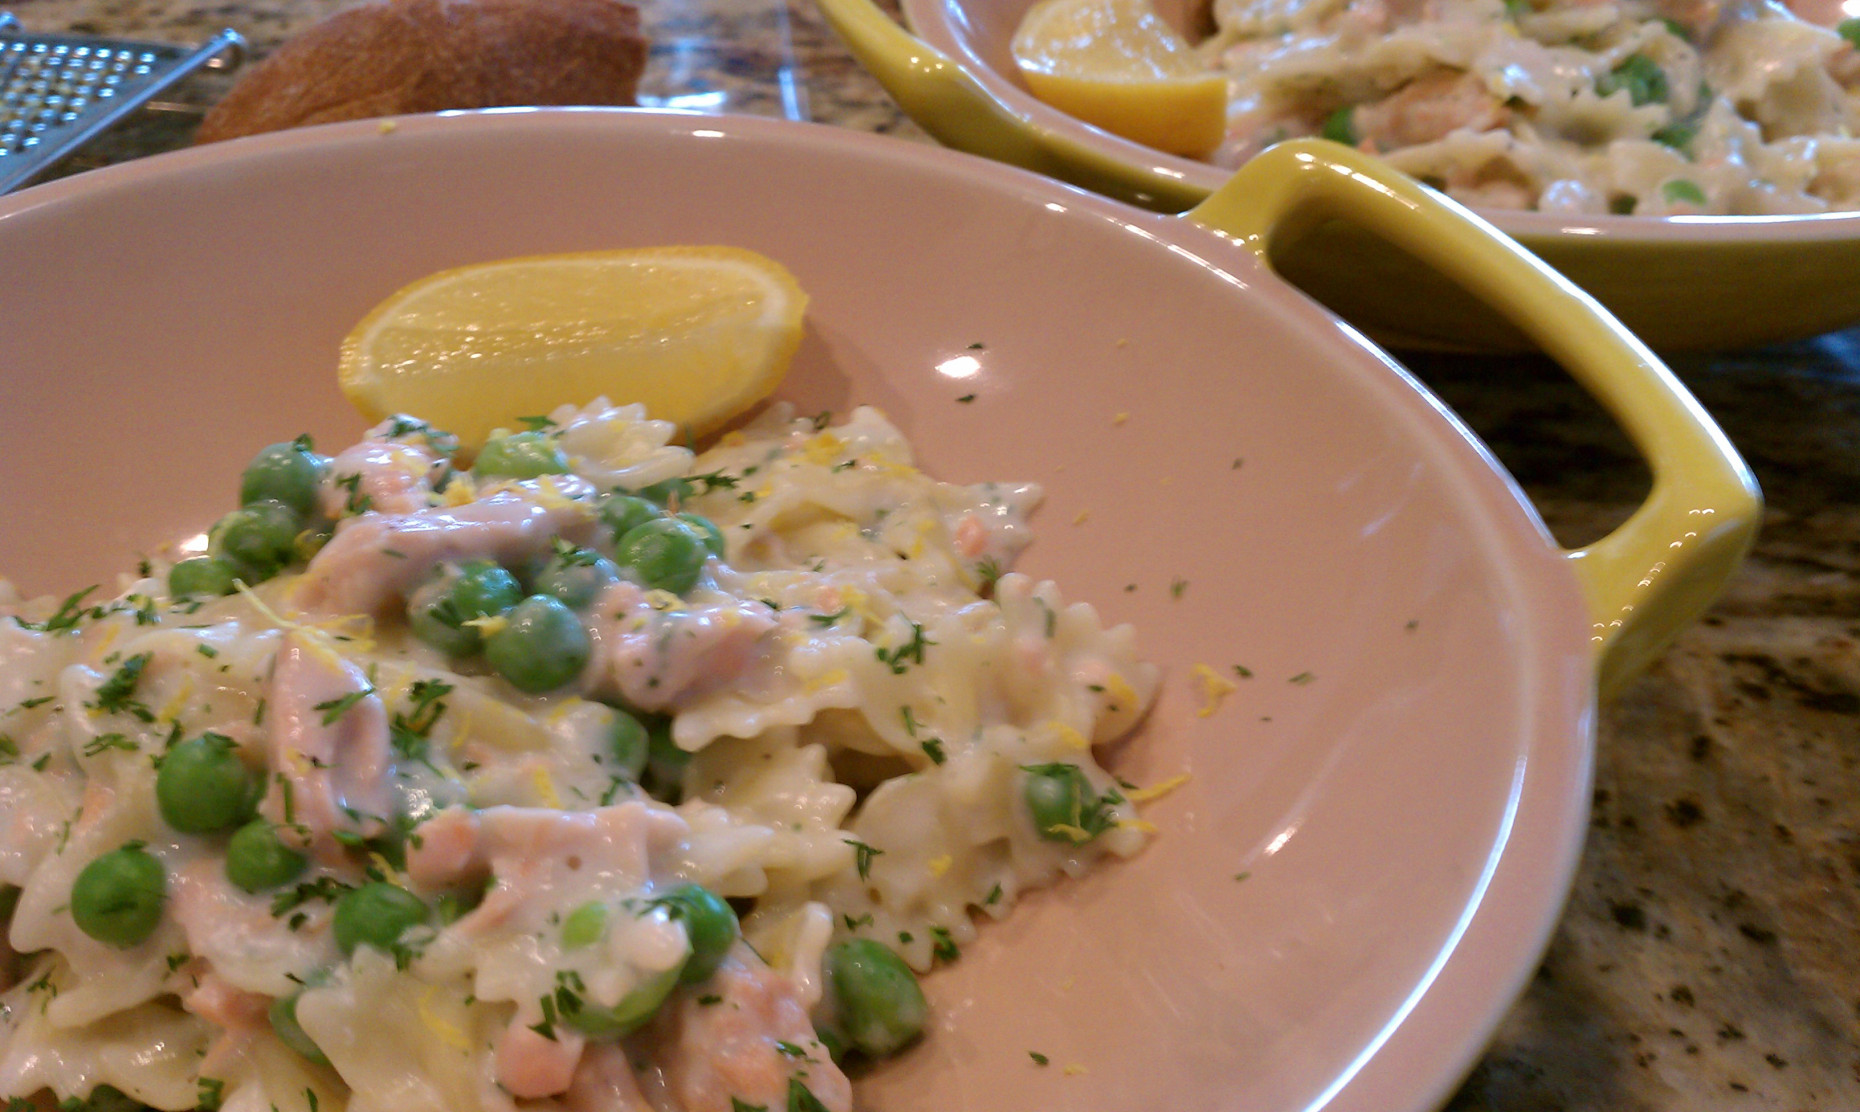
x=389, y=57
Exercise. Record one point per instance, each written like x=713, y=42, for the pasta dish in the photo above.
x=586, y=774
x=1648, y=107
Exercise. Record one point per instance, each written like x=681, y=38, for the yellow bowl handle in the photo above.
x=1646, y=580
x=955, y=108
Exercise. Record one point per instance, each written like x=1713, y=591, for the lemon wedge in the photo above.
x=698, y=334
x=1117, y=65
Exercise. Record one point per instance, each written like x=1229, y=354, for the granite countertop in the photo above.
x=1706, y=959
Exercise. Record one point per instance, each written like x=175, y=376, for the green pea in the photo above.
x=584, y=926
x=1849, y=29
x=624, y=1018
x=203, y=786
x=622, y=513
x=1640, y=75
x=664, y=775
x=1340, y=127
x=879, y=1005
x=202, y=576
x=459, y=593
x=260, y=538
x=629, y=743
x=667, y=554
x=1063, y=805
x=257, y=859
x=667, y=491
x=542, y=645
x=521, y=455
x=283, y=1015
x=291, y=473
x=117, y=899
x=710, y=924
x=575, y=576
x=713, y=536
x=376, y=914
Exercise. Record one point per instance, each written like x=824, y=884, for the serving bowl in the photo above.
x=1700, y=283
x=1380, y=818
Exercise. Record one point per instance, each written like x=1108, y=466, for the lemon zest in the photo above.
x=828, y=679
x=1156, y=791
x=447, y=1031
x=545, y=787
x=172, y=709
x=822, y=448
x=489, y=625
x=110, y=633
x=1070, y=737
x=940, y=864
x=1214, y=687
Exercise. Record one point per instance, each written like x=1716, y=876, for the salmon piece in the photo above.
x=329, y=744
x=653, y=658
x=732, y=1048
x=393, y=478
x=1429, y=108
x=604, y=1082
x=375, y=561
x=532, y=1065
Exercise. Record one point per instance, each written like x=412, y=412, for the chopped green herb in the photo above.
x=966, y=399
x=800, y=1099
x=862, y=857
x=113, y=695
x=1177, y=587
x=828, y=619
x=942, y=945
x=738, y=1104
x=102, y=742
x=334, y=709
x=1039, y=1059
x=536, y=424
x=67, y=616
x=993, y=897
x=899, y=657
x=1302, y=678
x=1243, y=671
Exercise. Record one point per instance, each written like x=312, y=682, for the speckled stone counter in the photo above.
x=1707, y=959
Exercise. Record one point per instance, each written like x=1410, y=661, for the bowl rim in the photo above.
x=1450, y=1014
x=943, y=24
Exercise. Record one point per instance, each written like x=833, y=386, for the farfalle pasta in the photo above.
x=599, y=775
x=1648, y=107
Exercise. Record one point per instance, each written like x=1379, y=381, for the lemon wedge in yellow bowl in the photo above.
x=1116, y=64
x=698, y=334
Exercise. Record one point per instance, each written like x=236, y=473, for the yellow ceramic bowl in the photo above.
x=1681, y=284
x=1404, y=777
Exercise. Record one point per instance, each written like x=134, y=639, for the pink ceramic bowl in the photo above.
x=1379, y=825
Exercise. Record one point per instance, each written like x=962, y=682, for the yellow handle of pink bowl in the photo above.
x=949, y=103
x=1662, y=567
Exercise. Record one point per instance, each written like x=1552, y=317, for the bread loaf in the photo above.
x=388, y=57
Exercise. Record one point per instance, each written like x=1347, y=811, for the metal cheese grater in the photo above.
x=57, y=92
